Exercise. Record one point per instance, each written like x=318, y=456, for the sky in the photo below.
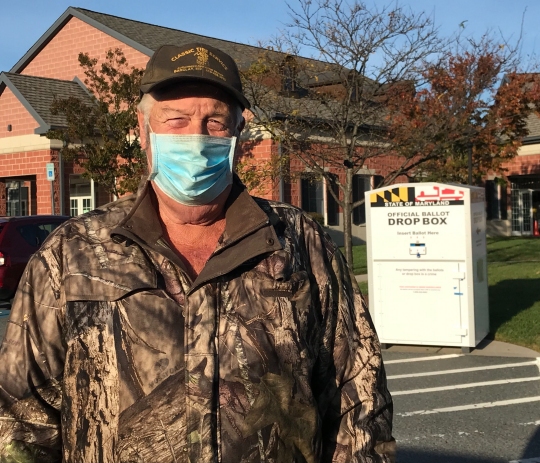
x=23, y=22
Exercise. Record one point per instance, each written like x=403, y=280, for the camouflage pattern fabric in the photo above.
x=112, y=354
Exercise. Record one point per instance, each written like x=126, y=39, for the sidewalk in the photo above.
x=488, y=347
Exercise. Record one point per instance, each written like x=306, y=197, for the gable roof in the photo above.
x=141, y=36
x=147, y=38
x=37, y=94
x=533, y=126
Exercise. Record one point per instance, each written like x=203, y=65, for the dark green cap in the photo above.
x=171, y=64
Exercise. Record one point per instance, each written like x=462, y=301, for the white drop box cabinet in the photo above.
x=427, y=264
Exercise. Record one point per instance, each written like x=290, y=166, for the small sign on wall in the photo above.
x=50, y=171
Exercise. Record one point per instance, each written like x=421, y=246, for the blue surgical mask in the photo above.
x=192, y=169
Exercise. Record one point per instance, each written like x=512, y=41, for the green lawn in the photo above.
x=359, y=260
x=514, y=288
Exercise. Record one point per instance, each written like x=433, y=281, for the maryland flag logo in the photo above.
x=394, y=195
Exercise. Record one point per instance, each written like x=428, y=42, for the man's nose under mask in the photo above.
x=192, y=169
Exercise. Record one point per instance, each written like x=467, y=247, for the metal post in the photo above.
x=61, y=182
x=52, y=198
x=92, y=195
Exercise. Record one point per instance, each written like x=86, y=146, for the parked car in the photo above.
x=20, y=237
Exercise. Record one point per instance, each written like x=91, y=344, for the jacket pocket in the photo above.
x=108, y=284
x=275, y=321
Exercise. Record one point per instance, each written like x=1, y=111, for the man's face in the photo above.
x=189, y=110
x=194, y=109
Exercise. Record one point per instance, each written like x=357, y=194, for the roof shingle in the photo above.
x=152, y=36
x=40, y=92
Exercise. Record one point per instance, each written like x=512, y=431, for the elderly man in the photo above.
x=192, y=322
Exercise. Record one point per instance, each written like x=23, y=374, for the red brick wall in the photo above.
x=523, y=165
x=58, y=59
x=23, y=165
x=256, y=153
x=13, y=112
x=259, y=151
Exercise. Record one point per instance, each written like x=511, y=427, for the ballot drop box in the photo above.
x=427, y=266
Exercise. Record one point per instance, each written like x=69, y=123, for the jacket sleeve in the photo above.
x=358, y=408
x=31, y=365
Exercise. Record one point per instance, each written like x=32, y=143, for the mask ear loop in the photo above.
x=154, y=171
x=232, y=152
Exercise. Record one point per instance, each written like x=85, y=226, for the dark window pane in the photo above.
x=491, y=200
x=332, y=207
x=30, y=234
x=360, y=185
x=504, y=202
x=312, y=195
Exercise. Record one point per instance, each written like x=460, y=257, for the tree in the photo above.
x=470, y=116
x=103, y=136
x=329, y=112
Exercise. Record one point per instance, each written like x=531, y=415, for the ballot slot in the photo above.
x=417, y=249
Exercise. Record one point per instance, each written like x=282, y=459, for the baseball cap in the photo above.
x=172, y=64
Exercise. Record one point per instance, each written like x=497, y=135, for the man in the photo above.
x=192, y=322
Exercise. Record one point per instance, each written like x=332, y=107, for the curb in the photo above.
x=486, y=348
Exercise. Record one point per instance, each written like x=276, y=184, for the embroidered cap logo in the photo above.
x=202, y=56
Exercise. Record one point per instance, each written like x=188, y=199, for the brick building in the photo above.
x=51, y=69
x=513, y=206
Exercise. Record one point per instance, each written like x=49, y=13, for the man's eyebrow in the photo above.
x=225, y=114
x=171, y=111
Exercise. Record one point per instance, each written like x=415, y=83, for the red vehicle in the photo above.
x=20, y=237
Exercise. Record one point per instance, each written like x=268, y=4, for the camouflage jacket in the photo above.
x=112, y=354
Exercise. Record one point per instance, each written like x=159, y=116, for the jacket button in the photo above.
x=270, y=241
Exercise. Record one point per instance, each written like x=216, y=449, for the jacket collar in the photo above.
x=246, y=223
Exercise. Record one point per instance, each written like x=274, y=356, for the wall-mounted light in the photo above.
x=9, y=128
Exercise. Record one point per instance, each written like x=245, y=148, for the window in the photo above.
x=17, y=198
x=35, y=234
x=80, y=195
x=312, y=195
x=332, y=207
x=361, y=183
x=496, y=200
x=319, y=204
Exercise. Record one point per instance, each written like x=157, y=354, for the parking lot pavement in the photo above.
x=464, y=408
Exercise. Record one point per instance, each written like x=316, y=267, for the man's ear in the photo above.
x=240, y=127
x=142, y=130
x=238, y=147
